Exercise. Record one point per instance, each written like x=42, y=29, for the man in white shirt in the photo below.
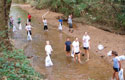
x=48, y=48
x=45, y=24
x=86, y=44
x=76, y=50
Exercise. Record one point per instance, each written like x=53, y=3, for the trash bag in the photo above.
x=100, y=47
x=48, y=61
x=121, y=76
x=72, y=53
x=20, y=27
x=14, y=29
x=109, y=53
x=60, y=27
x=29, y=37
x=122, y=57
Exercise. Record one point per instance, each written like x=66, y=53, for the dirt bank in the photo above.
x=109, y=40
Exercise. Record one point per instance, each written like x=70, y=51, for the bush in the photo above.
x=15, y=66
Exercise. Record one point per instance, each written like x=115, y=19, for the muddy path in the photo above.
x=64, y=68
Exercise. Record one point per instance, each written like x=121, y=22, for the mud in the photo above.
x=64, y=68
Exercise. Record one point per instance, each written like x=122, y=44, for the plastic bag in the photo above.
x=60, y=27
x=100, y=47
x=14, y=29
x=121, y=77
x=122, y=57
x=20, y=27
x=48, y=61
x=109, y=53
x=29, y=37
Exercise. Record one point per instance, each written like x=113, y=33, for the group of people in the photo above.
x=60, y=26
x=28, y=27
x=74, y=47
x=71, y=48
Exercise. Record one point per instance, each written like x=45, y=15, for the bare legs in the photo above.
x=77, y=56
x=87, y=54
x=67, y=53
x=115, y=75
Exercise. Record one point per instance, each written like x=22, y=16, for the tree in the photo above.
x=4, y=12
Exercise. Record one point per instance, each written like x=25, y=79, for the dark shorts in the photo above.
x=116, y=69
x=77, y=53
x=19, y=22
x=45, y=27
x=70, y=25
x=29, y=32
x=29, y=20
x=86, y=48
x=68, y=49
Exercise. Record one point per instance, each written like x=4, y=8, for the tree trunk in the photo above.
x=4, y=12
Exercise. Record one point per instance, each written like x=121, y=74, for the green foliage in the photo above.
x=15, y=66
x=9, y=1
x=107, y=12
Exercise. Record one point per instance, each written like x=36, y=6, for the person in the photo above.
x=28, y=29
x=29, y=18
x=45, y=24
x=19, y=23
x=48, y=48
x=19, y=20
x=116, y=65
x=11, y=22
x=67, y=47
x=86, y=44
x=60, y=20
x=70, y=23
x=76, y=50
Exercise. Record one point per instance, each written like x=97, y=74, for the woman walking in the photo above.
x=86, y=44
x=116, y=65
x=76, y=50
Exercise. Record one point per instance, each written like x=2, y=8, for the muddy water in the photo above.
x=64, y=68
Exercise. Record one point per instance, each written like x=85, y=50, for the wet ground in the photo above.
x=64, y=68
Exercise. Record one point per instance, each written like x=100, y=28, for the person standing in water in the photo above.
x=86, y=44
x=116, y=65
x=48, y=48
x=19, y=20
x=45, y=24
x=19, y=23
x=60, y=20
x=28, y=29
x=29, y=18
x=70, y=23
x=76, y=50
x=67, y=47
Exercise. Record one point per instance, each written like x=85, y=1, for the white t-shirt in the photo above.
x=28, y=27
x=86, y=41
x=70, y=20
x=48, y=49
x=75, y=45
x=45, y=22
